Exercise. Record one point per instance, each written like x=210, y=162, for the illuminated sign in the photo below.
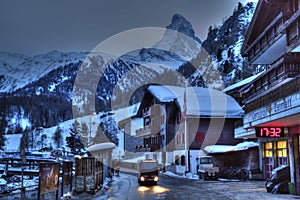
x=270, y=132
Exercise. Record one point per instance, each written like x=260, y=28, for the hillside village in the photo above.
x=235, y=102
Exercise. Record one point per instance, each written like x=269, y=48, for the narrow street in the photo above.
x=126, y=187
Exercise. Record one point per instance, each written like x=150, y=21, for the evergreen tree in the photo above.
x=58, y=137
x=42, y=141
x=74, y=140
x=26, y=140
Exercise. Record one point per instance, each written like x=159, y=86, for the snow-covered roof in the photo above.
x=229, y=148
x=126, y=112
x=218, y=148
x=200, y=102
x=101, y=146
x=12, y=142
x=241, y=83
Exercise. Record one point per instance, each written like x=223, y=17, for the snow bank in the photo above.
x=187, y=176
x=3, y=181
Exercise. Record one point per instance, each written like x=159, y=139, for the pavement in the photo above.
x=232, y=189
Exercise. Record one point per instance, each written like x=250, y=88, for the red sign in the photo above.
x=199, y=137
x=270, y=132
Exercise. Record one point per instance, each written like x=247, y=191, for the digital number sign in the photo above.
x=270, y=132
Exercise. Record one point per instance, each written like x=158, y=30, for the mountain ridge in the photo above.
x=45, y=99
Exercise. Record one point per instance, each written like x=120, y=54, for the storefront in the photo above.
x=272, y=100
x=274, y=154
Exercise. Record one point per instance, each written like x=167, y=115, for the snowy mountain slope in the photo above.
x=93, y=122
x=224, y=45
x=19, y=71
x=40, y=89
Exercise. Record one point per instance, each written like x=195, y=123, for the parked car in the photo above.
x=206, y=168
x=279, y=180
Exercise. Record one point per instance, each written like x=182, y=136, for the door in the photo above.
x=269, y=159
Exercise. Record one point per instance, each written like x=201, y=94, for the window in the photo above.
x=205, y=160
x=177, y=160
x=268, y=157
x=282, y=153
x=268, y=149
x=182, y=160
x=147, y=121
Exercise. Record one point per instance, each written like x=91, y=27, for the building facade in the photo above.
x=272, y=99
x=177, y=123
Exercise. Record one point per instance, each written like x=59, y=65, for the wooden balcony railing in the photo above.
x=292, y=27
x=267, y=38
x=288, y=66
x=283, y=91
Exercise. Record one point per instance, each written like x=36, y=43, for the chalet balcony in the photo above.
x=281, y=71
x=267, y=97
x=143, y=132
x=270, y=43
x=293, y=32
x=278, y=106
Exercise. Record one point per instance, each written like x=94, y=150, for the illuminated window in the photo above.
x=282, y=153
x=269, y=149
x=281, y=145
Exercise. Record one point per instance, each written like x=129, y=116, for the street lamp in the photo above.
x=90, y=136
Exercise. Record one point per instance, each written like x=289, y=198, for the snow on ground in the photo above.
x=12, y=143
x=3, y=182
x=187, y=176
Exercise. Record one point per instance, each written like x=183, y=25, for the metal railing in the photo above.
x=29, y=192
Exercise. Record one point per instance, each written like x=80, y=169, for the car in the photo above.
x=148, y=171
x=278, y=183
x=206, y=168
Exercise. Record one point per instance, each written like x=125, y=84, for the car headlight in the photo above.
x=142, y=178
x=156, y=178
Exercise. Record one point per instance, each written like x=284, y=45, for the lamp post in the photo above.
x=90, y=136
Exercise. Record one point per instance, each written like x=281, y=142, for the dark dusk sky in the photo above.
x=33, y=27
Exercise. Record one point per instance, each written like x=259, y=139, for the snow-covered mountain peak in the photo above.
x=182, y=25
x=180, y=39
